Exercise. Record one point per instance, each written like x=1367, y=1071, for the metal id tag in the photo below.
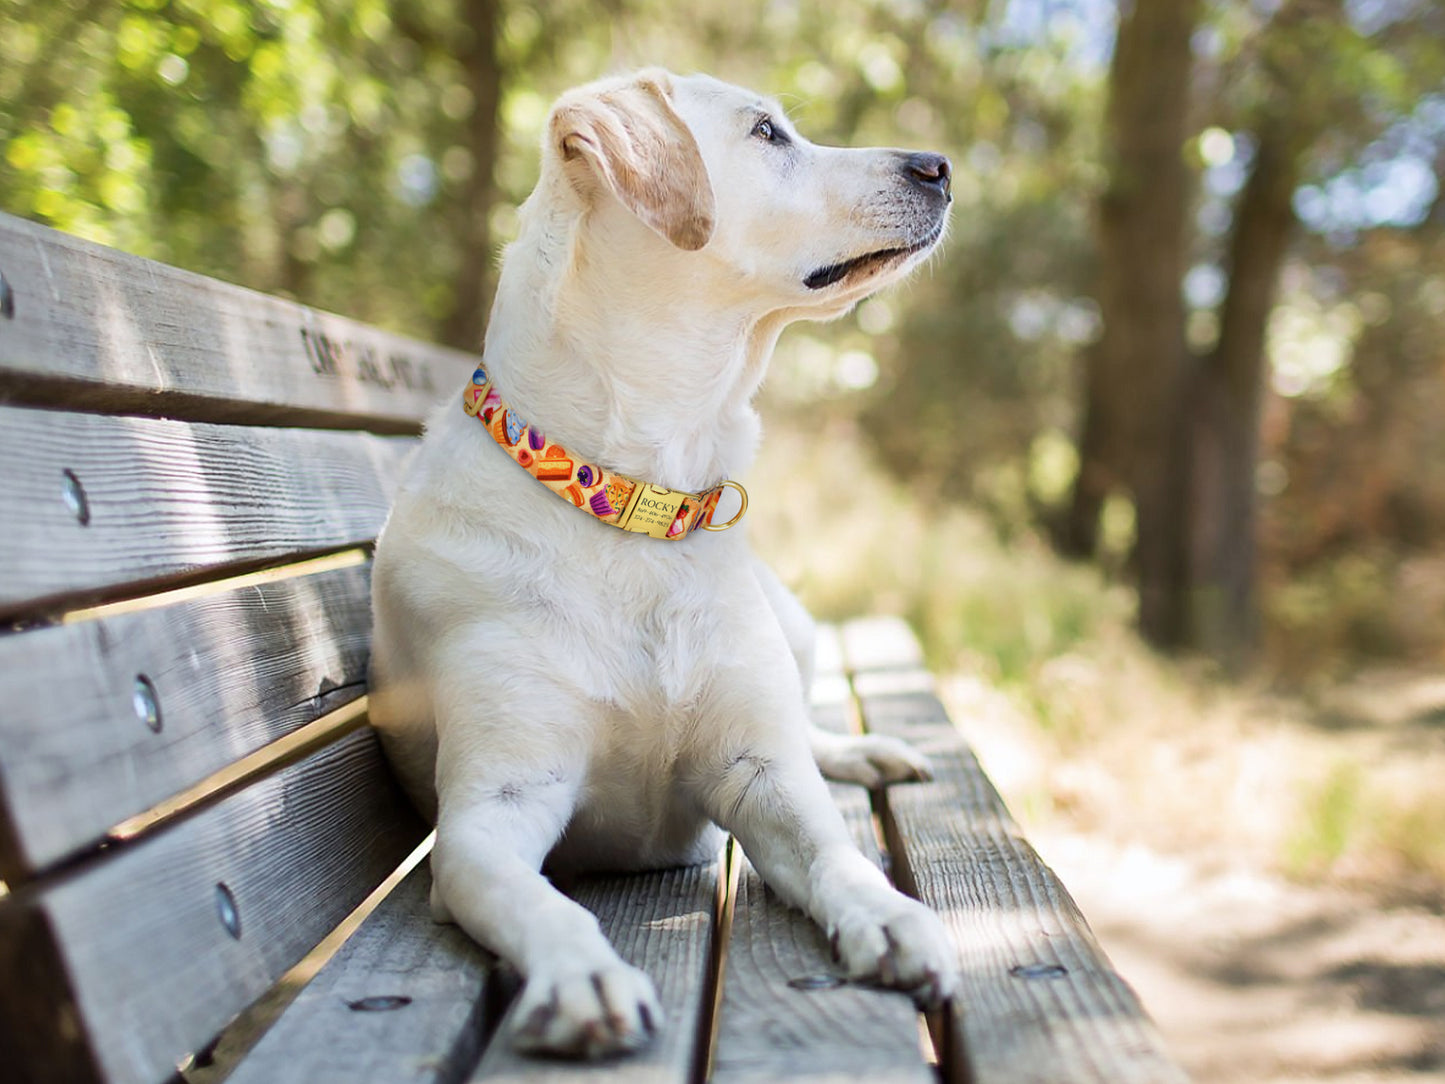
x=653, y=510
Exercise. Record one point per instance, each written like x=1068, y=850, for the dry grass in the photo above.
x=1085, y=728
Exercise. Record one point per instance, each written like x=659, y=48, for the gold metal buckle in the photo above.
x=652, y=509
x=743, y=493
x=475, y=395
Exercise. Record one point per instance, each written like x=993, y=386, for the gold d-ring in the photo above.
x=743, y=493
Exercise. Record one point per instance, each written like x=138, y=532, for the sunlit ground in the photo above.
x=1267, y=868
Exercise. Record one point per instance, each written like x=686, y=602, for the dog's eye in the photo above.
x=765, y=131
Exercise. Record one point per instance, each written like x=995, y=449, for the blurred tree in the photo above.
x=341, y=153
x=978, y=378
x=1177, y=425
x=1134, y=371
x=367, y=157
x=1300, y=98
x=468, y=38
x=1353, y=447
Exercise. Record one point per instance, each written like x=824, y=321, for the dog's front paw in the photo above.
x=587, y=1012
x=871, y=760
x=903, y=945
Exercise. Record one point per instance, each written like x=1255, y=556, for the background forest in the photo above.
x=1186, y=324
x=1153, y=454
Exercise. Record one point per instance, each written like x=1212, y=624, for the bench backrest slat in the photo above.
x=90, y=503
x=92, y=328
x=109, y=716
x=161, y=944
x=191, y=475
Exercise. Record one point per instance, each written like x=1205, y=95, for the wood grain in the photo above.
x=769, y=1029
x=1040, y=1001
x=97, y=329
x=403, y=1000
x=128, y=965
x=663, y=923
x=165, y=499
x=227, y=673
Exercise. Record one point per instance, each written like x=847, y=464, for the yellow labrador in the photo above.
x=552, y=689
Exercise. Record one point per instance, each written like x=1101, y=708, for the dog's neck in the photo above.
x=651, y=376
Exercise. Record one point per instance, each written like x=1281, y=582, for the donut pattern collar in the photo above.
x=615, y=499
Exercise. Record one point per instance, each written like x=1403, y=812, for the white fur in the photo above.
x=551, y=688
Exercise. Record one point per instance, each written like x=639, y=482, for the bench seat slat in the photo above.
x=165, y=499
x=349, y=1025
x=122, y=968
x=663, y=923
x=227, y=672
x=769, y=1030
x=93, y=328
x=1040, y=1004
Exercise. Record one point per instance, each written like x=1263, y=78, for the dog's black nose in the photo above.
x=931, y=171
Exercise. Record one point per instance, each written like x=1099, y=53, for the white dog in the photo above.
x=554, y=689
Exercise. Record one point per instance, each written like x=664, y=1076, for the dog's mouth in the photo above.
x=860, y=266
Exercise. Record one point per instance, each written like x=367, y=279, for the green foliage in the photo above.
x=1001, y=606
x=1352, y=825
x=330, y=151
x=986, y=361
x=306, y=148
x=1329, y=821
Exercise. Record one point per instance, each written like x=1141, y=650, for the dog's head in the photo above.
x=719, y=173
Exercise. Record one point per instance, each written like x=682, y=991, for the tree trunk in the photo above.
x=1076, y=532
x=1133, y=375
x=1231, y=388
x=1230, y=385
x=464, y=325
x=1183, y=436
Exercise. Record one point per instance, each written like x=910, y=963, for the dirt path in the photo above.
x=1253, y=979
x=1171, y=835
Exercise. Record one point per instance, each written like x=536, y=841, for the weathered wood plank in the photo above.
x=1040, y=1001
x=107, y=717
x=92, y=328
x=91, y=502
x=403, y=1000
x=663, y=923
x=785, y=1012
x=879, y=643
x=830, y=683
x=122, y=968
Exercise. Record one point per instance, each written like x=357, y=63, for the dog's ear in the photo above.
x=628, y=137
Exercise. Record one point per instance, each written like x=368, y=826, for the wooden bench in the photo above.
x=191, y=475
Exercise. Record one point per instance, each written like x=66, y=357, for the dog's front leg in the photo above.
x=496, y=824
x=767, y=791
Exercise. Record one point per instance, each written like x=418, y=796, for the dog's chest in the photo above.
x=651, y=647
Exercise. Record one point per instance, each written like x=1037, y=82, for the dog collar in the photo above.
x=616, y=499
